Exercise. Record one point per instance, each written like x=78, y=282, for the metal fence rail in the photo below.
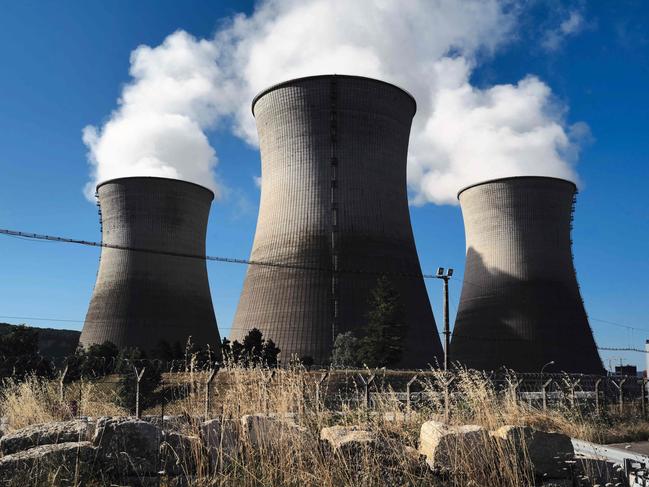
x=203, y=389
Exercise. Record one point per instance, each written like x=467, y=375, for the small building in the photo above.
x=630, y=370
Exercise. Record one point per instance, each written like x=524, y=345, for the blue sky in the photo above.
x=64, y=65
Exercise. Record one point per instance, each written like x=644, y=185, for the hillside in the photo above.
x=51, y=343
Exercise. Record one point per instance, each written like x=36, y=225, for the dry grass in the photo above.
x=35, y=401
x=288, y=459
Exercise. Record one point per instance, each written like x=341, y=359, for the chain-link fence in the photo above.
x=212, y=390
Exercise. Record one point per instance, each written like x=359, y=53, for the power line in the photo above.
x=230, y=260
x=616, y=349
x=495, y=339
x=621, y=325
x=39, y=319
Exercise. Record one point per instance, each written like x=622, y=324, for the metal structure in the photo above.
x=633, y=466
x=520, y=305
x=445, y=277
x=333, y=197
x=145, y=297
x=335, y=390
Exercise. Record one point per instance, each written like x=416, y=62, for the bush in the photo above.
x=344, y=352
x=255, y=351
x=98, y=360
x=19, y=356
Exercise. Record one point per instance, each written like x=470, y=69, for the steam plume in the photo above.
x=461, y=134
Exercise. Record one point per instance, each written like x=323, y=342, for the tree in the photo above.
x=226, y=348
x=106, y=350
x=253, y=347
x=253, y=352
x=199, y=356
x=164, y=351
x=22, y=341
x=345, y=350
x=19, y=355
x=307, y=361
x=99, y=359
x=270, y=353
x=237, y=352
x=382, y=343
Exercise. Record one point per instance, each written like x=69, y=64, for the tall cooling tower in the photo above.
x=144, y=298
x=520, y=305
x=333, y=152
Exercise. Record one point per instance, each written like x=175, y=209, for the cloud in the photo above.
x=237, y=202
x=461, y=133
x=571, y=25
x=472, y=135
x=158, y=127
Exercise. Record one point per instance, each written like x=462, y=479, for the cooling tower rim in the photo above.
x=510, y=178
x=130, y=178
x=320, y=76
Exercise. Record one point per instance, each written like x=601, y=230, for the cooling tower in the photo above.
x=333, y=197
x=142, y=298
x=520, y=305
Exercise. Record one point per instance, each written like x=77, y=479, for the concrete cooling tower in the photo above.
x=144, y=298
x=520, y=305
x=333, y=197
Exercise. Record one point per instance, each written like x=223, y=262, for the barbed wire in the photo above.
x=229, y=260
x=103, y=366
x=622, y=349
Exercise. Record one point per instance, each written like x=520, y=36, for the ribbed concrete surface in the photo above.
x=143, y=298
x=333, y=152
x=520, y=305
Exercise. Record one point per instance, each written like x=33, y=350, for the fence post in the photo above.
x=302, y=401
x=208, y=387
x=317, y=389
x=410, y=382
x=447, y=397
x=367, y=390
x=572, y=392
x=267, y=391
x=366, y=384
x=643, y=396
x=80, y=398
x=162, y=414
x=544, y=390
x=61, y=379
x=597, y=405
x=513, y=388
x=620, y=389
x=138, y=378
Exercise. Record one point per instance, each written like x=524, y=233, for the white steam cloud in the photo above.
x=461, y=134
x=158, y=128
x=570, y=26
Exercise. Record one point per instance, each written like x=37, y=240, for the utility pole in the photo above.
x=447, y=331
